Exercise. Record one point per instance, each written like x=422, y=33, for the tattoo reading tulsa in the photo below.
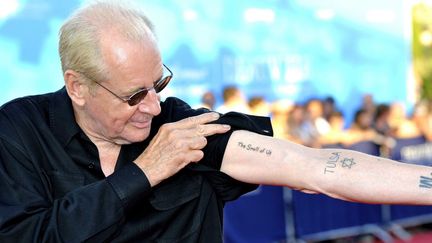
x=331, y=163
x=253, y=148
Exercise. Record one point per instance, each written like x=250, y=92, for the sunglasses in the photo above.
x=140, y=94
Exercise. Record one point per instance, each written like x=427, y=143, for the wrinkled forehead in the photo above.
x=118, y=49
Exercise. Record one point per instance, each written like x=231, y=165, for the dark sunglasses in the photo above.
x=139, y=95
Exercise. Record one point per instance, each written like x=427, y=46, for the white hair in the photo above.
x=80, y=35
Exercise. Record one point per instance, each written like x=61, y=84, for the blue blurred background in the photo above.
x=279, y=49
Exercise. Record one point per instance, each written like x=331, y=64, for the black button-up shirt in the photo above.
x=52, y=188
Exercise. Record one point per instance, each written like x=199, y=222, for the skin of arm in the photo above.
x=339, y=173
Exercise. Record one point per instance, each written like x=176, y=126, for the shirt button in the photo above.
x=91, y=165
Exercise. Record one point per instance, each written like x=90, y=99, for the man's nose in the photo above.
x=150, y=104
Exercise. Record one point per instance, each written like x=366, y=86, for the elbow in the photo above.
x=322, y=175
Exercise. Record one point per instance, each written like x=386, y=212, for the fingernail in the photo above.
x=227, y=127
x=215, y=115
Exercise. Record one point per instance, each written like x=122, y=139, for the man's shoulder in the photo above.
x=24, y=114
x=174, y=103
x=174, y=109
x=27, y=106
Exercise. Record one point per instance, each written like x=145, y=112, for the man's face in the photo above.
x=365, y=121
x=131, y=66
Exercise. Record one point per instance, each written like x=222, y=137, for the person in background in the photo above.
x=336, y=135
x=104, y=160
x=381, y=118
x=422, y=117
x=314, y=113
x=401, y=124
x=279, y=117
x=381, y=124
x=368, y=104
x=361, y=129
x=329, y=107
x=233, y=100
x=300, y=129
x=208, y=101
x=258, y=106
x=306, y=123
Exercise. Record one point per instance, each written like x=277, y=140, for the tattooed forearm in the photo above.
x=332, y=162
x=254, y=148
x=425, y=182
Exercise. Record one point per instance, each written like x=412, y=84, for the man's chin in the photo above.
x=134, y=137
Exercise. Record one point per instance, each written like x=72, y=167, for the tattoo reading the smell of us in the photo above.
x=254, y=148
x=333, y=161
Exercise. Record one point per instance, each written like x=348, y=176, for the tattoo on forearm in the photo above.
x=331, y=163
x=425, y=182
x=254, y=148
x=335, y=157
x=348, y=163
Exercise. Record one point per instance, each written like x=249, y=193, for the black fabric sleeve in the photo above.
x=90, y=213
x=129, y=183
x=228, y=188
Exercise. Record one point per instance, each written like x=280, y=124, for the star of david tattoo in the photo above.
x=347, y=163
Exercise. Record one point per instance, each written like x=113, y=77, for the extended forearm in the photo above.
x=360, y=177
x=339, y=173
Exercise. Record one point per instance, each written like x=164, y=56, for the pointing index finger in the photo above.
x=193, y=121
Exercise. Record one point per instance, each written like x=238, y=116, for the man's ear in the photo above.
x=76, y=89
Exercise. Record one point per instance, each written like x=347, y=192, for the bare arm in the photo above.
x=339, y=173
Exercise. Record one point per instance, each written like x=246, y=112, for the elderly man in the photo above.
x=103, y=160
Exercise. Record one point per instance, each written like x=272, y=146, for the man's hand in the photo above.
x=176, y=145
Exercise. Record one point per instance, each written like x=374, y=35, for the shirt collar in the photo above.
x=62, y=118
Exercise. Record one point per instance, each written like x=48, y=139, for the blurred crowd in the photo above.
x=319, y=122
